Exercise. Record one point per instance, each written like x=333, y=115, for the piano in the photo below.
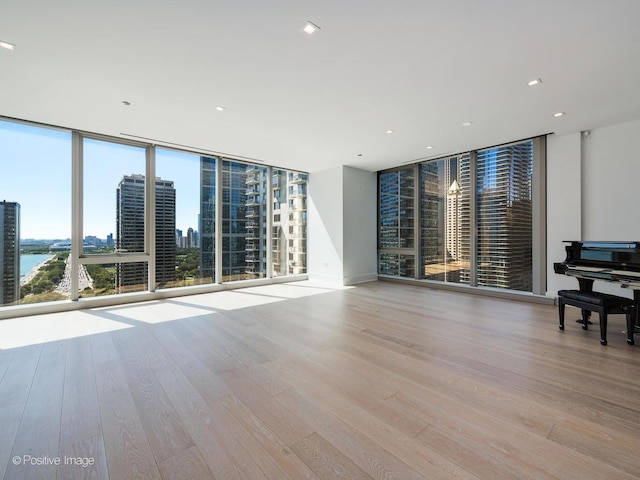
x=613, y=262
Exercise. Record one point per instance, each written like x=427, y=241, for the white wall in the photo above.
x=611, y=171
x=564, y=204
x=608, y=166
x=325, y=227
x=360, y=226
x=342, y=225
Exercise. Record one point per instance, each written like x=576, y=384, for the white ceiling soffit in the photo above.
x=311, y=102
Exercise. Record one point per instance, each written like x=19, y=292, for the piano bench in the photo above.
x=601, y=303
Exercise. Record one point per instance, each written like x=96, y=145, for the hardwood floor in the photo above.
x=306, y=381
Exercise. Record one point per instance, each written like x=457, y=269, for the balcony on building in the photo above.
x=298, y=178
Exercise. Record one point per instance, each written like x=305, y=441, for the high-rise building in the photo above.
x=190, y=238
x=296, y=221
x=130, y=231
x=256, y=219
x=9, y=253
x=504, y=211
x=453, y=239
x=207, y=218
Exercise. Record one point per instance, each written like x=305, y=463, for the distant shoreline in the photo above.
x=34, y=271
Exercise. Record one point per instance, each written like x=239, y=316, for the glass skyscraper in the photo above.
x=207, y=218
x=130, y=231
x=9, y=253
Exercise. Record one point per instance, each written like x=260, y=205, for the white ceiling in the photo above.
x=418, y=67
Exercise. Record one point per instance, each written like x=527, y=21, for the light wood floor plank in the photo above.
x=268, y=451
x=287, y=426
x=186, y=465
x=224, y=455
x=126, y=445
x=208, y=383
x=326, y=460
x=165, y=431
x=80, y=409
x=18, y=377
x=9, y=422
x=84, y=459
x=221, y=351
x=361, y=450
x=354, y=420
x=39, y=432
x=381, y=380
x=102, y=348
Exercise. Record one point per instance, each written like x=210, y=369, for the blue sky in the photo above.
x=35, y=171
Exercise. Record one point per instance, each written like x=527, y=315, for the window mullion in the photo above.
x=77, y=161
x=150, y=216
x=473, y=220
x=218, y=229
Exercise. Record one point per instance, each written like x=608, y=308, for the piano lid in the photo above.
x=621, y=255
x=606, y=245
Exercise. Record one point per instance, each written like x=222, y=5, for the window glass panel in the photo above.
x=444, y=194
x=96, y=280
x=289, y=242
x=113, y=210
x=185, y=219
x=398, y=265
x=396, y=190
x=35, y=213
x=396, y=230
x=504, y=213
x=244, y=193
x=207, y=221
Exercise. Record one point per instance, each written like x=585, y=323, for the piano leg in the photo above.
x=603, y=328
x=585, y=319
x=585, y=285
x=631, y=318
x=636, y=299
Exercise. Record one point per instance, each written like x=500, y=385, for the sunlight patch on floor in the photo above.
x=20, y=332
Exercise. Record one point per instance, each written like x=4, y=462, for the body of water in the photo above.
x=27, y=262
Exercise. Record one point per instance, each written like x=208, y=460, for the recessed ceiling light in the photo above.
x=310, y=28
x=124, y=102
x=534, y=82
x=467, y=124
x=429, y=147
x=7, y=45
x=389, y=131
x=359, y=154
x=220, y=108
x=559, y=114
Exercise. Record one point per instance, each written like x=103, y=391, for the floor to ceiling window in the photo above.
x=444, y=198
x=504, y=216
x=474, y=220
x=185, y=219
x=113, y=218
x=79, y=220
x=397, y=223
x=289, y=222
x=35, y=204
x=244, y=203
